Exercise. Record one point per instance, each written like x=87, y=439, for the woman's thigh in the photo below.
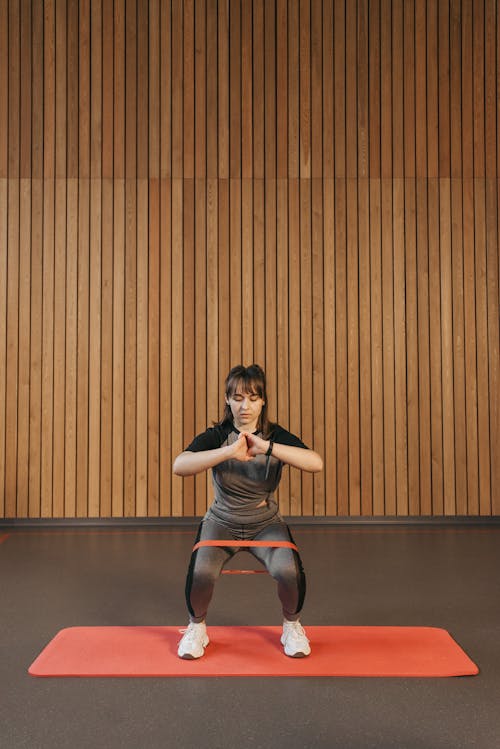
x=277, y=559
x=212, y=557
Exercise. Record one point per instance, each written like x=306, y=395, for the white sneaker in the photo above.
x=194, y=641
x=294, y=639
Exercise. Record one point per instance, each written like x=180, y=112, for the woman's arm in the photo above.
x=188, y=463
x=298, y=457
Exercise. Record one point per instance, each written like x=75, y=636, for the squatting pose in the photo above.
x=246, y=454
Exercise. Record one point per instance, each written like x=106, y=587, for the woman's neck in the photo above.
x=246, y=427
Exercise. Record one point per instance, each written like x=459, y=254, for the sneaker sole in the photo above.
x=297, y=655
x=191, y=657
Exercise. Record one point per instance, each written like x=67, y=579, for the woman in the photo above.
x=246, y=454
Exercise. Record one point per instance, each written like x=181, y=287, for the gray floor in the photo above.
x=445, y=577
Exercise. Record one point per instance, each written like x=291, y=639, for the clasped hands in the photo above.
x=248, y=446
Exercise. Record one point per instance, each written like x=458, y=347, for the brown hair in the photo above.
x=252, y=379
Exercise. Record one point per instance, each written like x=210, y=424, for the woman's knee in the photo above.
x=287, y=575
x=204, y=576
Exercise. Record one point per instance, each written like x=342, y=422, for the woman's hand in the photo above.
x=189, y=463
x=240, y=448
x=256, y=445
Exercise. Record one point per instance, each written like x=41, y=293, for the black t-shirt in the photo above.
x=215, y=437
x=239, y=486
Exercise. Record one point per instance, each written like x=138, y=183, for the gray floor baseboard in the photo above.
x=176, y=522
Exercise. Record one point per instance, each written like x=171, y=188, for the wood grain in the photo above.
x=308, y=184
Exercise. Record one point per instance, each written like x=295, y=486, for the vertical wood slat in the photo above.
x=492, y=159
x=400, y=391
x=200, y=332
x=294, y=331
x=24, y=348
x=219, y=147
x=304, y=289
x=282, y=407
x=377, y=504
x=165, y=345
x=130, y=261
x=3, y=351
x=153, y=253
x=60, y=240
x=188, y=332
x=310, y=184
x=4, y=88
x=341, y=384
x=352, y=266
x=82, y=416
x=483, y=395
x=317, y=507
x=188, y=93
x=468, y=249
x=456, y=170
x=422, y=264
x=143, y=345
x=118, y=349
x=12, y=261
x=176, y=360
x=387, y=252
x=143, y=171
x=365, y=420
x=95, y=269
x=24, y=262
x=270, y=250
x=222, y=159
x=165, y=231
x=234, y=84
x=71, y=321
x=4, y=148
x=46, y=490
x=224, y=287
x=106, y=394
x=492, y=239
x=281, y=46
x=36, y=301
x=153, y=420
x=329, y=343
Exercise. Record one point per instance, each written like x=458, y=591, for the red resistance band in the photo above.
x=285, y=544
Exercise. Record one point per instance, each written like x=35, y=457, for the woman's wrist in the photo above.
x=228, y=451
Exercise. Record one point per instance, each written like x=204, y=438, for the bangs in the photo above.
x=245, y=384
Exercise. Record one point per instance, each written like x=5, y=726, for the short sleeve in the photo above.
x=282, y=437
x=209, y=440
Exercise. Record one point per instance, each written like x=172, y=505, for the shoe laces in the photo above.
x=295, y=629
x=192, y=632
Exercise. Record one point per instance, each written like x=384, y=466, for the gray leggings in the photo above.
x=282, y=563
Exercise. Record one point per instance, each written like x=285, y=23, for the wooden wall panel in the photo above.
x=310, y=184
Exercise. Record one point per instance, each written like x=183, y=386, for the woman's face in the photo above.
x=246, y=408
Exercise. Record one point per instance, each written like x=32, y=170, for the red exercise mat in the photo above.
x=254, y=651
